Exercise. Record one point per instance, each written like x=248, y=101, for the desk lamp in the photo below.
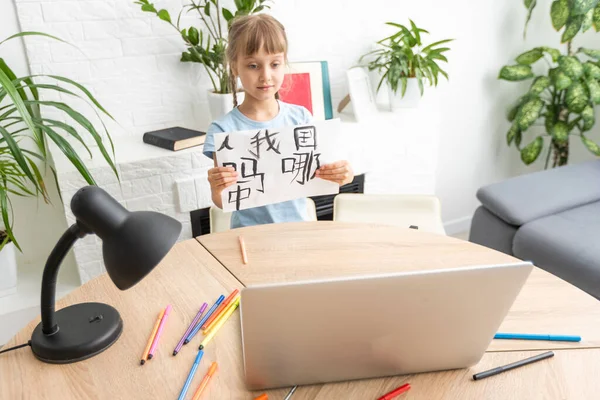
x=133, y=243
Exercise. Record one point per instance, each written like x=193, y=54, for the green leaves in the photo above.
x=571, y=29
x=593, y=53
x=18, y=169
x=591, y=146
x=531, y=56
x=588, y=21
x=512, y=133
x=512, y=113
x=540, y=84
x=581, y=7
x=571, y=66
x=531, y=152
x=31, y=33
x=560, y=79
x=529, y=113
x=591, y=70
x=560, y=131
x=398, y=59
x=594, y=89
x=530, y=5
x=565, y=98
x=207, y=53
x=164, y=15
x=587, y=115
x=227, y=15
x=559, y=13
x=146, y=6
x=575, y=16
x=193, y=36
x=555, y=54
x=577, y=97
x=515, y=73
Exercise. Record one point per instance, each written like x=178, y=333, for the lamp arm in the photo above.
x=75, y=231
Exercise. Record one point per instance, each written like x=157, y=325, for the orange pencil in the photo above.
x=151, y=339
x=209, y=374
x=221, y=307
x=216, y=320
x=243, y=247
x=263, y=396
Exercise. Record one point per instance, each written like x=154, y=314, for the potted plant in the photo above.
x=403, y=62
x=207, y=46
x=565, y=97
x=24, y=140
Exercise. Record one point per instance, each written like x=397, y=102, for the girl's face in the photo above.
x=261, y=74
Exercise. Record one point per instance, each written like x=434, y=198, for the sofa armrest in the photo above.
x=528, y=197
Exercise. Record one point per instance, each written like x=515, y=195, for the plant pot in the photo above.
x=411, y=98
x=220, y=104
x=8, y=270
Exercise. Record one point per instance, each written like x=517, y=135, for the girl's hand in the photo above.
x=219, y=179
x=339, y=172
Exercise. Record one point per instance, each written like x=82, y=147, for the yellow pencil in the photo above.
x=220, y=316
x=218, y=326
x=151, y=339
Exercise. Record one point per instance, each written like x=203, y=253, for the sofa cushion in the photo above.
x=528, y=197
x=490, y=231
x=566, y=244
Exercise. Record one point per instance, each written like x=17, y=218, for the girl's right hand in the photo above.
x=220, y=178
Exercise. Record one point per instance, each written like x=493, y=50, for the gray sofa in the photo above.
x=551, y=218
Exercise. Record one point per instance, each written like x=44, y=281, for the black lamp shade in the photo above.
x=133, y=243
x=139, y=244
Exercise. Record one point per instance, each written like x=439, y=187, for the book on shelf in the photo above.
x=175, y=138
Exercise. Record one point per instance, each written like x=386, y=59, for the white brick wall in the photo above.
x=127, y=58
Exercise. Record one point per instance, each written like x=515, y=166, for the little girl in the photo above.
x=257, y=53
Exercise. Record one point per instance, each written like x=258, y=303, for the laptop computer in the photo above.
x=374, y=326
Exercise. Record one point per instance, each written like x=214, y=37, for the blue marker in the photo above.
x=191, y=375
x=527, y=336
x=204, y=319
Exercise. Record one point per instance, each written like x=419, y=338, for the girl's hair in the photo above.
x=250, y=33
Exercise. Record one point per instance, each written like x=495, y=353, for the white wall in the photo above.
x=130, y=60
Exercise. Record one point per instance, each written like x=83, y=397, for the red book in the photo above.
x=296, y=90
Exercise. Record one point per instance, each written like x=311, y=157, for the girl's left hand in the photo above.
x=339, y=172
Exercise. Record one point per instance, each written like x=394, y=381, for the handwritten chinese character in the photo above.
x=236, y=196
x=249, y=169
x=305, y=137
x=304, y=164
x=258, y=141
x=225, y=144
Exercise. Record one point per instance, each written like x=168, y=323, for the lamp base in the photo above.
x=84, y=330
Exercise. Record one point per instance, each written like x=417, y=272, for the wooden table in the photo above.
x=304, y=251
x=186, y=277
x=189, y=275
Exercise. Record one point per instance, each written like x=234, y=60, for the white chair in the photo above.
x=399, y=210
x=221, y=221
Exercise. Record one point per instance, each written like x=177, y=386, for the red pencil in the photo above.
x=395, y=392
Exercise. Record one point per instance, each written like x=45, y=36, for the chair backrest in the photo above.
x=221, y=221
x=422, y=211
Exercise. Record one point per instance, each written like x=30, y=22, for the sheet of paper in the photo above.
x=276, y=165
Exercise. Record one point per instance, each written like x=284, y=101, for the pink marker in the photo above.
x=160, y=329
